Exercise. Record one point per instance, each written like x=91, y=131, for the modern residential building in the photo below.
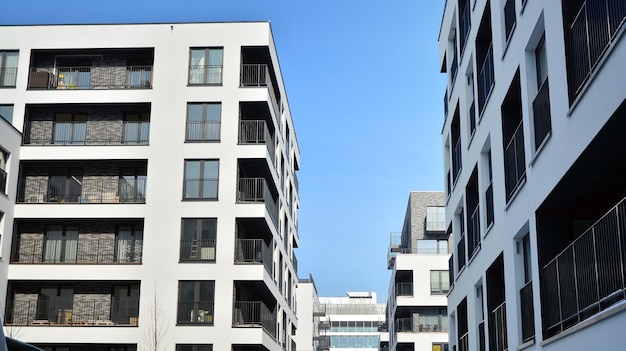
x=534, y=159
x=417, y=317
x=152, y=193
x=309, y=313
x=352, y=322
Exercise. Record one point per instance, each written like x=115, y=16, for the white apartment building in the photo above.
x=309, y=313
x=354, y=322
x=534, y=161
x=152, y=192
x=417, y=317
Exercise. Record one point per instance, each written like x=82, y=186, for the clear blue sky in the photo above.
x=366, y=95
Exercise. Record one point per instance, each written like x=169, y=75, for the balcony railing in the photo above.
x=256, y=132
x=86, y=133
x=3, y=180
x=257, y=190
x=541, y=114
x=526, y=304
x=254, y=314
x=202, y=131
x=589, y=37
x=195, y=312
x=497, y=329
x=197, y=250
x=72, y=313
x=200, y=189
x=485, y=79
x=205, y=74
x=404, y=289
x=514, y=161
x=422, y=324
x=8, y=76
x=482, y=344
x=473, y=231
x=88, y=77
x=79, y=251
x=465, y=24
x=258, y=75
x=87, y=190
x=254, y=251
x=460, y=253
x=587, y=276
x=464, y=342
x=456, y=161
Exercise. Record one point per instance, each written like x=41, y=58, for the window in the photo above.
x=541, y=104
x=440, y=346
x=195, y=302
x=129, y=243
x=205, y=66
x=489, y=192
x=509, y=18
x=8, y=68
x=201, y=178
x=136, y=128
x=526, y=294
x=435, y=218
x=69, y=128
x=132, y=185
x=203, y=121
x=439, y=283
x=513, y=139
x=61, y=243
x=198, y=239
x=194, y=347
x=6, y=112
x=4, y=158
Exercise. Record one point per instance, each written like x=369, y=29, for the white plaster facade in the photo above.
x=535, y=109
x=159, y=55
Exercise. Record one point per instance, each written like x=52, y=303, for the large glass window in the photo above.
x=205, y=66
x=439, y=282
x=198, y=239
x=203, y=121
x=201, y=178
x=195, y=302
x=129, y=243
x=70, y=128
x=136, y=128
x=194, y=347
x=60, y=243
x=6, y=112
x=8, y=68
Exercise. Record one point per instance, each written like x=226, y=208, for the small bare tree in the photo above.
x=153, y=336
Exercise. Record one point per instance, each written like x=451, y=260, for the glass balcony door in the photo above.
x=69, y=128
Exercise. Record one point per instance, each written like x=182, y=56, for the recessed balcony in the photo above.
x=254, y=307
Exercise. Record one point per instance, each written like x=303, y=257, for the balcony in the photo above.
x=80, y=251
x=486, y=79
x=86, y=133
x=72, y=313
x=90, y=77
x=254, y=314
x=541, y=114
x=258, y=75
x=432, y=247
x=197, y=250
x=422, y=324
x=514, y=162
x=589, y=36
x=256, y=190
x=323, y=342
x=253, y=251
x=89, y=190
x=464, y=342
x=587, y=276
x=256, y=132
x=404, y=289
x=497, y=329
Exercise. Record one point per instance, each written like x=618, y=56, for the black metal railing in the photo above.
x=526, y=305
x=258, y=75
x=541, y=114
x=197, y=250
x=464, y=342
x=257, y=190
x=422, y=324
x=514, y=161
x=465, y=24
x=200, y=189
x=256, y=132
x=489, y=211
x=456, y=160
x=86, y=133
x=195, y=312
x=589, y=37
x=588, y=275
x=8, y=76
x=509, y=18
x=72, y=313
x=254, y=314
x=497, y=328
x=482, y=344
x=254, y=251
x=473, y=231
x=77, y=251
x=3, y=180
x=205, y=74
x=485, y=79
x=460, y=253
x=87, y=190
x=88, y=77
x=202, y=131
x=404, y=289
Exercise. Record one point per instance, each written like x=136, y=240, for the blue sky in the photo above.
x=366, y=95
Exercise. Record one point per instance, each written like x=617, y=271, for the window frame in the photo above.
x=206, y=58
x=196, y=303
x=208, y=127
x=440, y=288
x=4, y=69
x=211, y=242
x=201, y=179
